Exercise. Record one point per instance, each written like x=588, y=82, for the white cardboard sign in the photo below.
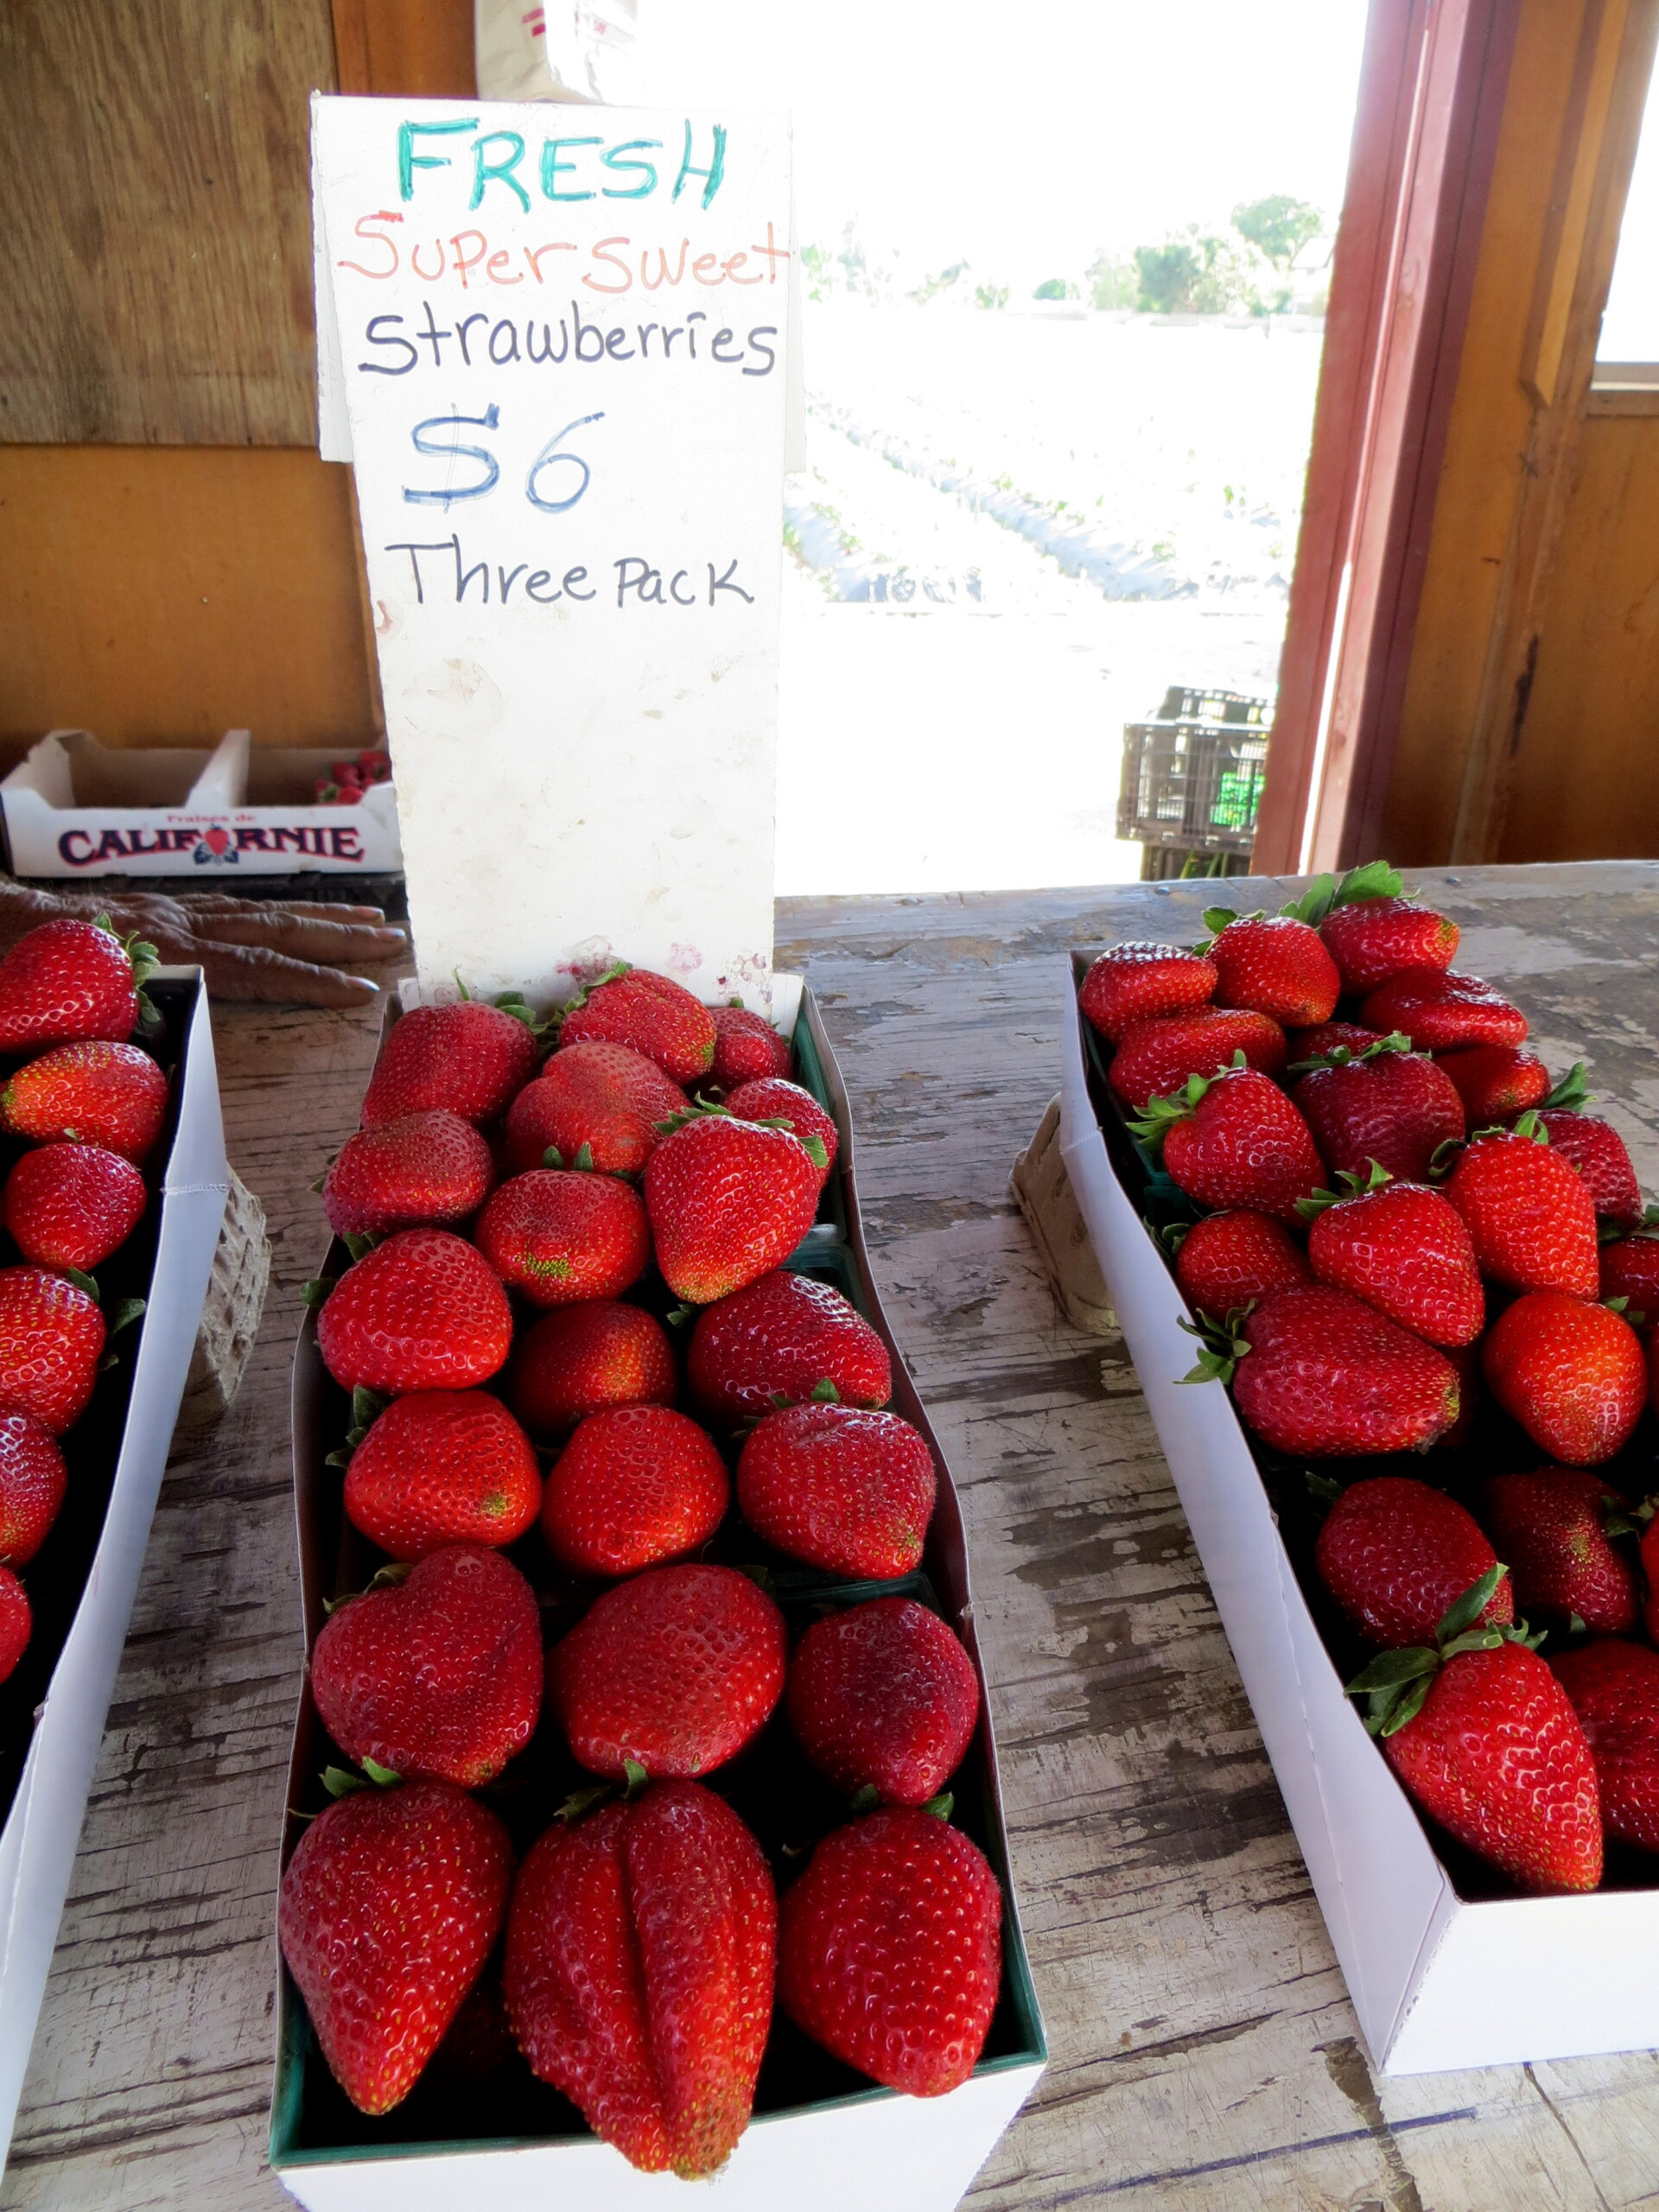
x=562, y=341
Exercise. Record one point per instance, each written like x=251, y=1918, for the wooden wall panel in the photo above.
x=164, y=595
x=420, y=47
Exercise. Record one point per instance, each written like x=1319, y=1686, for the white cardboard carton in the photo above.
x=77, y=808
x=37, y=1844
x=1438, y=1982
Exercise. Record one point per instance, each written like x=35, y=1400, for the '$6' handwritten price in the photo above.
x=427, y=439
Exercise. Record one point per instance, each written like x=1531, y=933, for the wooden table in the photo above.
x=1205, y=2052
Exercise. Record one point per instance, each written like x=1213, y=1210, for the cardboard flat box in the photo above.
x=75, y=808
x=1440, y=1979
x=830, y=2140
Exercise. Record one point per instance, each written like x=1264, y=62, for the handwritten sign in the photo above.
x=562, y=350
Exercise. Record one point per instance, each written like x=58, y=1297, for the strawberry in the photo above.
x=1139, y=981
x=1440, y=1013
x=422, y=1312
x=1326, y=1037
x=633, y=1487
x=1531, y=1217
x=52, y=1337
x=32, y=1481
x=1235, y=1139
x=883, y=1697
x=1384, y=1105
x=578, y=1360
x=747, y=1048
x=442, y=1467
x=430, y=1170
x=890, y=1950
x=728, y=1200
x=66, y=981
x=388, y=1910
x=641, y=1951
x=561, y=1236
x=1396, y=1555
x=1318, y=1373
x=1495, y=1082
x=1374, y=939
x=782, y=1338
x=103, y=1094
x=1403, y=1249
x=1594, y=1147
x=769, y=1098
x=438, y=1676
x=1571, y=1373
x=1485, y=1740
x=468, y=1058
x=17, y=1623
x=1552, y=1527
x=1614, y=1688
x=674, y=1671
x=71, y=1206
x=1155, y=1058
x=1229, y=1260
x=1272, y=965
x=839, y=1487
x=648, y=1013
x=1630, y=1270
x=605, y=1097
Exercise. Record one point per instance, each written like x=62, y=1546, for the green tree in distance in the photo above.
x=1278, y=226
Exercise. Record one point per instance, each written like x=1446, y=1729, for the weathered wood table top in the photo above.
x=1205, y=2052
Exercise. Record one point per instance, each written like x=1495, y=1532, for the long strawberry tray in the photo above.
x=1443, y=1968
x=822, y=2138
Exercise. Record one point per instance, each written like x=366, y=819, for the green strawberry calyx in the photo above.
x=1358, y=1187
x=1570, y=1095
x=1221, y=1345
x=1161, y=1115
x=1375, y=879
x=1216, y=920
x=585, y=991
x=367, y=1408
x=1343, y=1056
x=581, y=1165
x=344, y=1780
x=1395, y=1683
x=701, y=1109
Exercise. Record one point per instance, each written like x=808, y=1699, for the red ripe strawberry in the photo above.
x=1139, y=981
x=633, y=1488
x=890, y=1950
x=422, y=1312
x=641, y=1952
x=560, y=1236
x=1275, y=965
x=648, y=1013
x=782, y=1338
x=32, y=1480
x=883, y=1697
x=1330, y=1037
x=1397, y=1554
x=1327, y=1377
x=839, y=1487
x=1552, y=1527
x=1397, y=1109
x=1440, y=1013
x=1598, y=1151
x=579, y=1360
x=729, y=1201
x=442, y=1467
x=103, y=1094
x=1374, y=939
x=1236, y=1141
x=1155, y=1058
x=430, y=1170
x=440, y=1677
x=390, y=1906
x=1630, y=1270
x=769, y=1098
x=674, y=1671
x=71, y=1206
x=1406, y=1251
x=747, y=1048
x=605, y=1097
x=1571, y=1373
x=469, y=1059
x=1531, y=1217
x=64, y=982
x=51, y=1341
x=1229, y=1260
x=1615, y=1692
x=17, y=1623
x=1495, y=1082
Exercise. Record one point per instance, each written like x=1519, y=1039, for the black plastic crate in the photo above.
x=1192, y=785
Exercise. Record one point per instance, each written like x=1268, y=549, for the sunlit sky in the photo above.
x=1630, y=329
x=1025, y=137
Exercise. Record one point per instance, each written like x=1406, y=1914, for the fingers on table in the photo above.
x=256, y=971
x=300, y=935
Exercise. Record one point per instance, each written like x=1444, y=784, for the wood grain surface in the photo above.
x=1206, y=2057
